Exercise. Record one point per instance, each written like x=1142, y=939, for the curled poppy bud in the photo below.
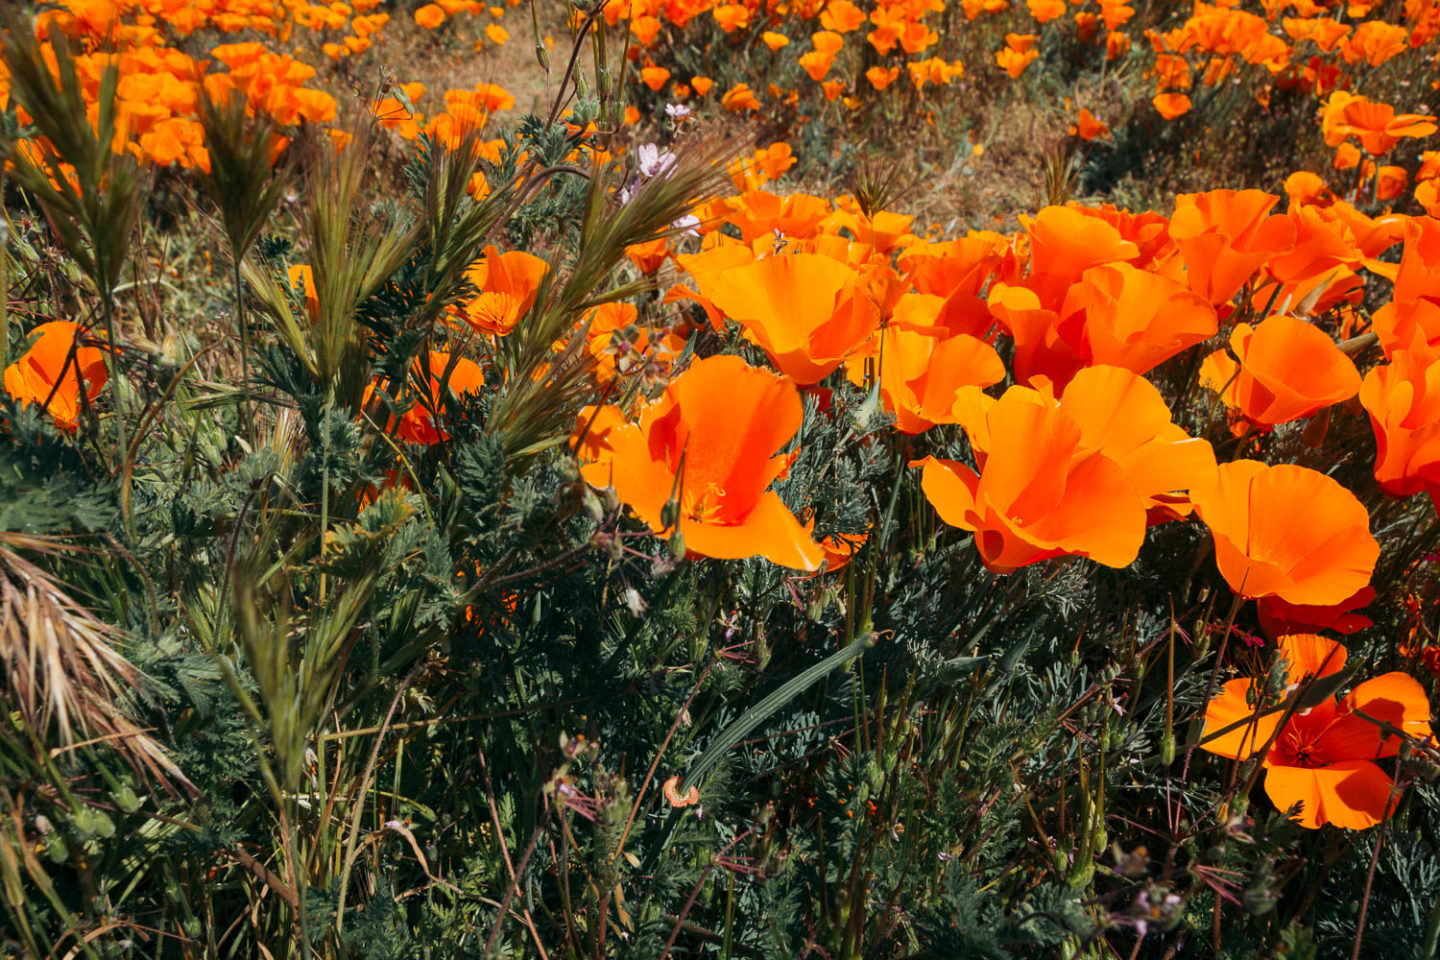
x=676, y=798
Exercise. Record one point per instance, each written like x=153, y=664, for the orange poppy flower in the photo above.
x=1014, y=61
x=1171, y=105
x=760, y=214
x=1148, y=231
x=722, y=257
x=1304, y=188
x=47, y=372
x=1376, y=125
x=1278, y=618
x=1123, y=416
x=654, y=77
x=650, y=256
x=1132, y=318
x=775, y=159
x=1403, y=400
x=1088, y=127
x=739, y=98
x=880, y=77
x=709, y=444
x=1324, y=244
x=1064, y=243
x=1045, y=10
x=508, y=285
x=417, y=424
x=958, y=270
x=1390, y=182
x=1286, y=531
x=1411, y=320
x=1282, y=370
x=1039, y=493
x=1225, y=236
x=921, y=368
x=805, y=310
x=883, y=230
x=1323, y=759
x=842, y=16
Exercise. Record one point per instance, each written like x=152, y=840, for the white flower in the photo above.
x=652, y=162
x=688, y=225
x=677, y=111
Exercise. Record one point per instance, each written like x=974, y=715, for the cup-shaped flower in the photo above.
x=47, y=374
x=1286, y=531
x=921, y=367
x=708, y=446
x=1411, y=320
x=508, y=285
x=1403, y=400
x=1124, y=416
x=1225, y=236
x=1323, y=759
x=1377, y=126
x=1039, y=492
x=1131, y=318
x=807, y=311
x=1282, y=370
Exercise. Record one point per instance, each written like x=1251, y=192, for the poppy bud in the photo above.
x=1060, y=859
x=1259, y=900
x=677, y=546
x=593, y=506
x=816, y=608
x=542, y=55
x=602, y=78
x=669, y=514
x=1167, y=749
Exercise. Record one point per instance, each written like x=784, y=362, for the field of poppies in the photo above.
x=677, y=478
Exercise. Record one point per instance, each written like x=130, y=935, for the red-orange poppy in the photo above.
x=508, y=285
x=649, y=256
x=1286, y=531
x=417, y=424
x=1282, y=370
x=1225, y=236
x=1403, y=400
x=1131, y=318
x=1039, y=492
x=1278, y=618
x=921, y=367
x=718, y=258
x=47, y=372
x=709, y=445
x=805, y=310
x=1377, y=126
x=958, y=270
x=1411, y=320
x=1124, y=416
x=1323, y=759
x=1088, y=127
